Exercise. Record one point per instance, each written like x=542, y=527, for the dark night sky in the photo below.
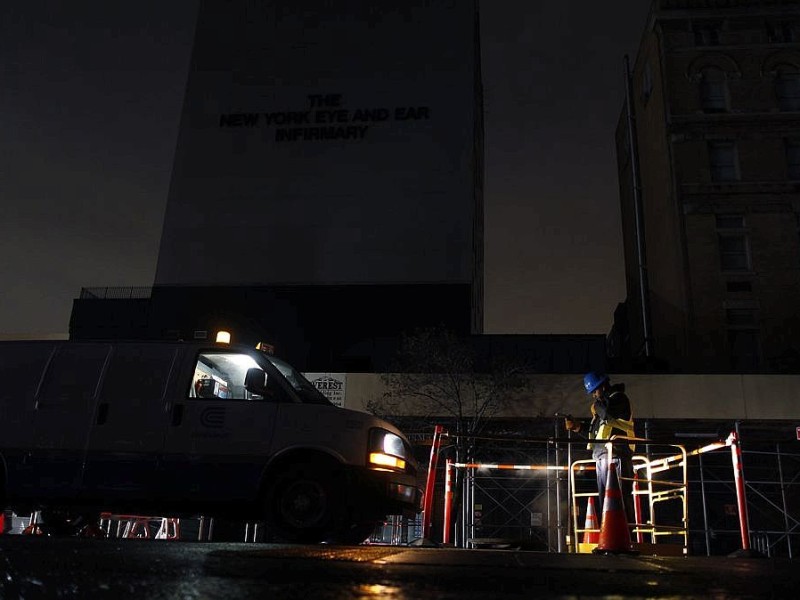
x=89, y=108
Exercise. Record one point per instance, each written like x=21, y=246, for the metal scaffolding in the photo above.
x=711, y=495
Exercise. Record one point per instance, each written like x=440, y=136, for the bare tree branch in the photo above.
x=436, y=376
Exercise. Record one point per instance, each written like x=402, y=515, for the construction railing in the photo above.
x=537, y=500
x=660, y=498
x=140, y=527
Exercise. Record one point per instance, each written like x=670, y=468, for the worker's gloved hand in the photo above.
x=572, y=425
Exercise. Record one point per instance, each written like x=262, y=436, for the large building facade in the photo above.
x=327, y=185
x=709, y=171
x=330, y=143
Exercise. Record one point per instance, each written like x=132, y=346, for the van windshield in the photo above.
x=304, y=388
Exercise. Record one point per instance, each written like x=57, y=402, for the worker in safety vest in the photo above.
x=611, y=416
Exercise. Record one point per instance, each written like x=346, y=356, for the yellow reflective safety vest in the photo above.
x=604, y=429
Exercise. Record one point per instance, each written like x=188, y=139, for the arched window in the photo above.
x=713, y=90
x=712, y=74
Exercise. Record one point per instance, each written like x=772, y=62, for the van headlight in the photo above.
x=387, y=451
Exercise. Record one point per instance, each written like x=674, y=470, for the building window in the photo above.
x=793, y=159
x=797, y=222
x=743, y=348
x=735, y=222
x=743, y=344
x=647, y=82
x=723, y=161
x=740, y=317
x=787, y=89
x=780, y=33
x=706, y=33
x=734, y=254
x=714, y=90
x=739, y=286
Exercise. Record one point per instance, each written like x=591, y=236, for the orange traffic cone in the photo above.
x=591, y=533
x=615, y=538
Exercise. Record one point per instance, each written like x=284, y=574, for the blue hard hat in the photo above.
x=592, y=381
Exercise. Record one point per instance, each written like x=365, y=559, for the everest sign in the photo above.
x=332, y=385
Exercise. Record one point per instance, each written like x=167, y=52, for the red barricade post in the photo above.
x=448, y=500
x=741, y=499
x=430, y=483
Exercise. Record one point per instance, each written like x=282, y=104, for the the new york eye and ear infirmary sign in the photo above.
x=332, y=386
x=323, y=117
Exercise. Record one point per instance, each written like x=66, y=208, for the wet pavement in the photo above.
x=36, y=567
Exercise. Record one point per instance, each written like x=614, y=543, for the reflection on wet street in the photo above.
x=39, y=567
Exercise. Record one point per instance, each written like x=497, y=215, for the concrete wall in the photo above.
x=653, y=396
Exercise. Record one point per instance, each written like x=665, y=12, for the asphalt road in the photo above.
x=38, y=567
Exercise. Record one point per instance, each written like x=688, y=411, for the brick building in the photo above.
x=709, y=170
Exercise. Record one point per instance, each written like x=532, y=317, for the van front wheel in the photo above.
x=305, y=503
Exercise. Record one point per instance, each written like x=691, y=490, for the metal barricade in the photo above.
x=666, y=500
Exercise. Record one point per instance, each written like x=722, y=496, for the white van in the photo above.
x=193, y=429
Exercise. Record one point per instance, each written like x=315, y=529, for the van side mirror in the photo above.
x=255, y=381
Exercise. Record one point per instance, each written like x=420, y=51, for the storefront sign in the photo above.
x=332, y=385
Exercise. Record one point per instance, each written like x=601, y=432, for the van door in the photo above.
x=219, y=434
x=128, y=429
x=62, y=418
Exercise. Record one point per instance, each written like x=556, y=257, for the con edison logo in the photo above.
x=213, y=417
